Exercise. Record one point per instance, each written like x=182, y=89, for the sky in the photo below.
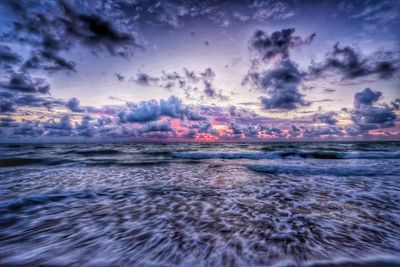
x=199, y=71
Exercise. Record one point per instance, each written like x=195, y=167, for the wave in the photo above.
x=345, y=155
x=156, y=153
x=14, y=146
x=324, y=170
x=369, y=262
x=93, y=152
x=372, y=155
x=125, y=164
x=18, y=162
x=200, y=155
x=135, y=163
x=46, y=198
x=289, y=154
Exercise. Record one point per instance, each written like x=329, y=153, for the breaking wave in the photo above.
x=94, y=152
x=294, y=205
x=289, y=154
x=19, y=162
x=369, y=262
x=338, y=170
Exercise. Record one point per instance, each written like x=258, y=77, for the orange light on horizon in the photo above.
x=221, y=129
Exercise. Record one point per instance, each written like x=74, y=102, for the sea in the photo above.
x=200, y=204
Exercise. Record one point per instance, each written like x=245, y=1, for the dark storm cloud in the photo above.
x=204, y=127
x=238, y=123
x=120, y=77
x=164, y=126
x=317, y=132
x=63, y=124
x=194, y=116
x=272, y=131
x=50, y=28
x=252, y=131
x=48, y=61
x=28, y=128
x=8, y=57
x=322, y=100
x=14, y=100
x=88, y=127
x=277, y=44
x=31, y=100
x=103, y=121
x=240, y=112
x=211, y=93
x=145, y=79
x=295, y=131
x=351, y=65
x=180, y=79
x=328, y=118
x=51, y=31
x=329, y=90
x=74, y=105
x=396, y=104
x=281, y=83
x=211, y=110
x=94, y=30
x=94, y=127
x=281, y=86
x=236, y=128
x=240, y=130
x=152, y=110
x=22, y=82
x=7, y=122
x=366, y=97
x=172, y=107
x=208, y=74
x=142, y=112
x=195, y=85
x=63, y=127
x=7, y=106
x=368, y=116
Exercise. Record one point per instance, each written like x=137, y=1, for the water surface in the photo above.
x=255, y=204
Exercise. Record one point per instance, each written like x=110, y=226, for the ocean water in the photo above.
x=202, y=204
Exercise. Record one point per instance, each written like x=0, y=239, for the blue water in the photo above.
x=202, y=204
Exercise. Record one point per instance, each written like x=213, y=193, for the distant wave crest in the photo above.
x=93, y=152
x=288, y=154
x=19, y=161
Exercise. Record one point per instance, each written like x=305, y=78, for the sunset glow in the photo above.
x=257, y=71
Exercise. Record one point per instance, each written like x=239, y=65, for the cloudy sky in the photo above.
x=89, y=71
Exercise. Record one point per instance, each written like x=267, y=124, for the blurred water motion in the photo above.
x=283, y=204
